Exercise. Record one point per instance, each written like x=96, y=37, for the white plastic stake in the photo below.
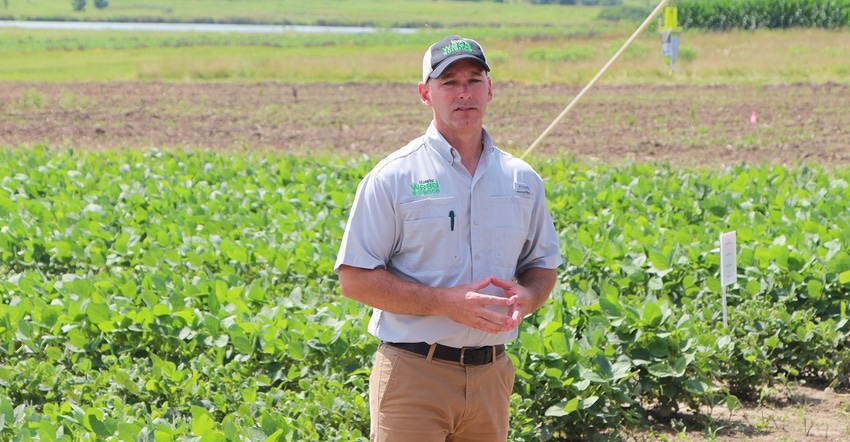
x=728, y=265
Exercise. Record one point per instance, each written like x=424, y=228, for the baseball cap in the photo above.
x=447, y=51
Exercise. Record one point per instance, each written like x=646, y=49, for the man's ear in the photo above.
x=490, y=87
x=425, y=94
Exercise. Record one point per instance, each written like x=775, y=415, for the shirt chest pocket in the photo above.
x=430, y=238
x=511, y=220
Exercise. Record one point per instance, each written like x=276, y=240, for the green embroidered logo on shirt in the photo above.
x=425, y=187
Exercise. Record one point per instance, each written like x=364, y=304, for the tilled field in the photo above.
x=682, y=125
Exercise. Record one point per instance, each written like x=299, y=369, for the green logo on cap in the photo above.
x=457, y=46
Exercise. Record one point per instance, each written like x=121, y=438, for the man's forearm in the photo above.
x=539, y=282
x=463, y=304
x=381, y=289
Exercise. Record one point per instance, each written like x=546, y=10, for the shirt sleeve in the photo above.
x=371, y=232
x=541, y=248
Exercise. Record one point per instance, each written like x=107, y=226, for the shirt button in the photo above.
x=475, y=221
x=477, y=256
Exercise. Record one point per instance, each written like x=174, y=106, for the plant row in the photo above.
x=723, y=15
x=637, y=329
x=167, y=295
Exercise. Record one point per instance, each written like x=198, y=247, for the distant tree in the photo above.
x=631, y=13
x=78, y=5
x=100, y=4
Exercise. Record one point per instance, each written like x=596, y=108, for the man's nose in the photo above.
x=464, y=90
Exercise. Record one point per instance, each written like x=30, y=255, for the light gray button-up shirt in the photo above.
x=421, y=215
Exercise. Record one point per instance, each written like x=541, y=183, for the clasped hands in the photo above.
x=469, y=307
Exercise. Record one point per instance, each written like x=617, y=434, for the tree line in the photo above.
x=80, y=5
x=723, y=15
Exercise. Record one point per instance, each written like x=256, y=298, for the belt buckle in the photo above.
x=463, y=350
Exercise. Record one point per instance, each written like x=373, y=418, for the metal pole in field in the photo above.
x=640, y=29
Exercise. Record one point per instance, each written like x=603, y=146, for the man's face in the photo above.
x=459, y=97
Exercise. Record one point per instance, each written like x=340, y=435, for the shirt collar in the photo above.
x=435, y=140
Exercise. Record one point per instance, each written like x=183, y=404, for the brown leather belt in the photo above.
x=463, y=356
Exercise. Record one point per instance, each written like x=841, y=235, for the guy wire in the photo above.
x=640, y=29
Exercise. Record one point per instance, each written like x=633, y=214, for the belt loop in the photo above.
x=493, y=358
x=431, y=352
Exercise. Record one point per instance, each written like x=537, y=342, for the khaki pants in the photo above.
x=413, y=399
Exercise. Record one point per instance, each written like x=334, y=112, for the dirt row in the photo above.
x=681, y=125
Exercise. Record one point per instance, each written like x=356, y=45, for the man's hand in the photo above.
x=527, y=293
x=522, y=302
x=466, y=306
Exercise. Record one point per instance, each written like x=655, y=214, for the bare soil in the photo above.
x=792, y=413
x=682, y=125
x=685, y=126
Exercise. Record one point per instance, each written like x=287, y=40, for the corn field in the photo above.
x=721, y=15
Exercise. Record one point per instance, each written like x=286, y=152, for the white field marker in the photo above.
x=728, y=265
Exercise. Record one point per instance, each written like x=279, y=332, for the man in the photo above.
x=451, y=242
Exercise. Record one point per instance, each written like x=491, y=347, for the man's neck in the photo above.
x=469, y=147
